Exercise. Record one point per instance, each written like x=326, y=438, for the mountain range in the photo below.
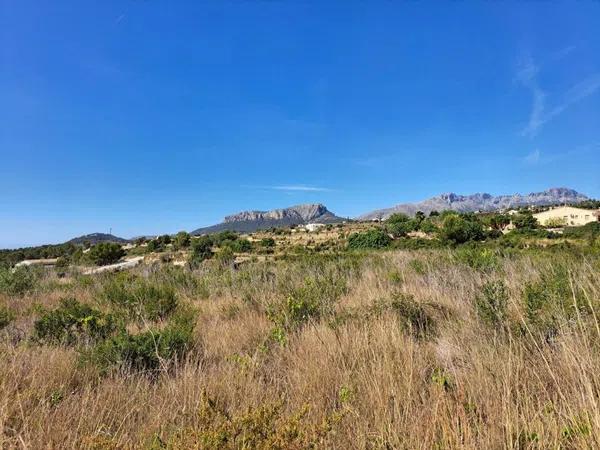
x=480, y=202
x=249, y=221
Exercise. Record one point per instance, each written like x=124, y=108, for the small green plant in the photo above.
x=492, y=303
x=345, y=394
x=418, y=266
x=310, y=301
x=441, y=378
x=73, y=323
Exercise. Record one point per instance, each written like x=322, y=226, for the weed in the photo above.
x=139, y=298
x=492, y=303
x=73, y=323
x=17, y=282
x=414, y=316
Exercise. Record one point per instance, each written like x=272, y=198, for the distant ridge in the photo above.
x=250, y=221
x=96, y=238
x=480, y=202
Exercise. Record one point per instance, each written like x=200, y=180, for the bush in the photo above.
x=477, y=258
x=182, y=240
x=550, y=303
x=312, y=300
x=371, y=239
x=201, y=250
x=73, y=323
x=6, y=316
x=399, y=225
x=267, y=243
x=145, y=352
x=18, y=281
x=460, y=229
x=414, y=316
x=492, y=304
x=238, y=246
x=139, y=298
x=266, y=426
x=524, y=221
x=105, y=253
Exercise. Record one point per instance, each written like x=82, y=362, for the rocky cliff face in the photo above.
x=249, y=221
x=480, y=202
x=302, y=213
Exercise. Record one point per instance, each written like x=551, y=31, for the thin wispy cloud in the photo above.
x=299, y=188
x=293, y=188
x=527, y=75
x=533, y=158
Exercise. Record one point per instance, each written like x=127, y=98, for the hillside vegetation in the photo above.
x=356, y=336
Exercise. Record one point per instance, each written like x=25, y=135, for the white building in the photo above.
x=567, y=216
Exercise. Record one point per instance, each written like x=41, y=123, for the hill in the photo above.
x=250, y=221
x=480, y=202
x=95, y=238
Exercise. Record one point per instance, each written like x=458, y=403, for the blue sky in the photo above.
x=154, y=116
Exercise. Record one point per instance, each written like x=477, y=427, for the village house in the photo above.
x=567, y=216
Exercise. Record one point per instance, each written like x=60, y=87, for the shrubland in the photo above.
x=460, y=340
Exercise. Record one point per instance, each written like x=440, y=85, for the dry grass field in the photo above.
x=380, y=350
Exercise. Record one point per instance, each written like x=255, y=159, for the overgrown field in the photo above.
x=439, y=348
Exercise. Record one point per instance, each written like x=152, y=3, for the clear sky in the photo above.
x=152, y=116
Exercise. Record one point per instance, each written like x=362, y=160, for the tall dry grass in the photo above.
x=397, y=357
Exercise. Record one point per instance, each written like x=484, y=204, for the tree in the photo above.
x=181, y=240
x=459, y=229
x=524, y=221
x=399, y=225
x=201, y=249
x=105, y=253
x=419, y=216
x=498, y=221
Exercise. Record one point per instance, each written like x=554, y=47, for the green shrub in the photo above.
x=458, y=229
x=6, y=316
x=414, y=316
x=181, y=240
x=105, y=253
x=371, y=239
x=145, y=352
x=312, y=300
x=399, y=225
x=524, y=221
x=238, y=246
x=549, y=302
x=492, y=303
x=73, y=323
x=139, y=298
x=267, y=243
x=201, y=250
x=17, y=281
x=266, y=426
x=478, y=258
